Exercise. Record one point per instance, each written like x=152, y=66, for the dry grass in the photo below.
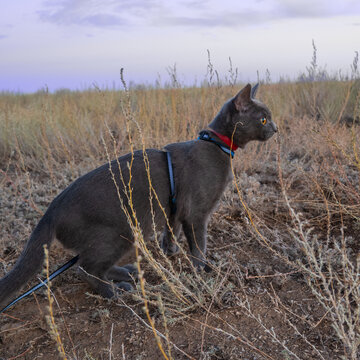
x=284, y=242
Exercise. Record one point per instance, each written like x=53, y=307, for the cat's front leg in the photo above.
x=195, y=233
x=167, y=242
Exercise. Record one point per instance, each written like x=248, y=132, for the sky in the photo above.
x=78, y=43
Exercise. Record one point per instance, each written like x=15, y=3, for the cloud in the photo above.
x=137, y=6
x=188, y=13
x=225, y=19
x=316, y=8
x=208, y=13
x=80, y=12
x=94, y=13
x=3, y=36
x=103, y=20
x=199, y=4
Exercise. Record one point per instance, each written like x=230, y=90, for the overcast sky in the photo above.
x=75, y=43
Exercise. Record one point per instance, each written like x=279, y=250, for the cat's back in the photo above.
x=100, y=185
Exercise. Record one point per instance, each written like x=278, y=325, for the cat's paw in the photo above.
x=122, y=273
x=124, y=286
x=169, y=248
x=203, y=265
x=209, y=266
x=133, y=270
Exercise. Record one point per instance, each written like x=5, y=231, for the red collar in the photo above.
x=226, y=140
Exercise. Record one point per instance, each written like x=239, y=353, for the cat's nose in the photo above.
x=273, y=125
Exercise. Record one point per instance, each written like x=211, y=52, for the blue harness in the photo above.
x=203, y=135
x=172, y=184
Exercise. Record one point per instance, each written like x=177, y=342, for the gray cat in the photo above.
x=87, y=216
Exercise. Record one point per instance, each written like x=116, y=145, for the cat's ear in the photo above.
x=243, y=99
x=254, y=91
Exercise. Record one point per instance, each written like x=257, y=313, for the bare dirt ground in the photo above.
x=261, y=308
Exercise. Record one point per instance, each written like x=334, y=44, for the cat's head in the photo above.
x=245, y=118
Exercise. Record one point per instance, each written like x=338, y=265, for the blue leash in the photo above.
x=43, y=283
x=172, y=184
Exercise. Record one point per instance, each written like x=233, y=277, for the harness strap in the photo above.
x=44, y=282
x=203, y=135
x=172, y=184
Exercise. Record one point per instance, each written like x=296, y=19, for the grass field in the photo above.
x=284, y=240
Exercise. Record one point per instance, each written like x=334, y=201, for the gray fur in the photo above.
x=87, y=216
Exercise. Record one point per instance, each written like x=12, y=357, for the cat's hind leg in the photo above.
x=97, y=259
x=95, y=275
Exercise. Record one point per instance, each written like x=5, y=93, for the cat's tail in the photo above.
x=29, y=262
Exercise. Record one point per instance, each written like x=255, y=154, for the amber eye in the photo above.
x=263, y=120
